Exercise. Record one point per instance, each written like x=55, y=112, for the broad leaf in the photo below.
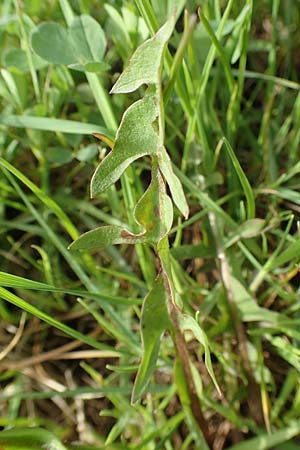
x=144, y=66
x=29, y=439
x=175, y=186
x=81, y=47
x=88, y=39
x=16, y=58
x=104, y=236
x=154, y=210
x=154, y=321
x=136, y=137
x=61, y=50
x=189, y=323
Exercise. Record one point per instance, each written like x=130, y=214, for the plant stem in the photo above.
x=33, y=74
x=254, y=400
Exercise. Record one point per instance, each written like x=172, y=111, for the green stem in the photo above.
x=102, y=101
x=33, y=74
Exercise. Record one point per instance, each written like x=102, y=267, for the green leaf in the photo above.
x=173, y=181
x=93, y=67
x=266, y=441
x=81, y=45
x=87, y=153
x=247, y=306
x=154, y=210
x=144, y=66
x=61, y=50
x=104, y=236
x=57, y=125
x=136, y=137
x=58, y=155
x=250, y=311
x=189, y=323
x=192, y=251
x=29, y=439
x=251, y=228
x=16, y=58
x=291, y=253
x=13, y=281
x=88, y=39
x=20, y=303
x=243, y=180
x=154, y=321
x=247, y=230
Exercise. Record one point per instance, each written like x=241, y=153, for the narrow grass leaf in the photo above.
x=247, y=306
x=189, y=323
x=289, y=384
x=154, y=321
x=20, y=303
x=48, y=201
x=243, y=180
x=182, y=389
x=268, y=441
x=56, y=125
x=29, y=439
x=144, y=66
x=135, y=138
x=291, y=253
x=117, y=429
x=13, y=281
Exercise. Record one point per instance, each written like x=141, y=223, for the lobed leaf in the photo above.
x=154, y=321
x=144, y=66
x=135, y=137
x=104, y=236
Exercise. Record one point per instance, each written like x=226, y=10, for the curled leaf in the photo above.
x=135, y=137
